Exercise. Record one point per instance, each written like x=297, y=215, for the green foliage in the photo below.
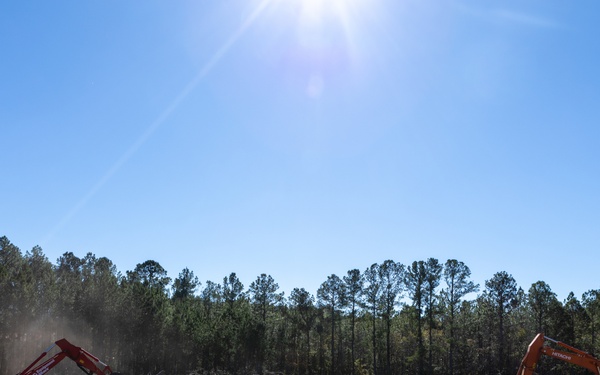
x=144, y=322
x=185, y=285
x=456, y=275
x=332, y=295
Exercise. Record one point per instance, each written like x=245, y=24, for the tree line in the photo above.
x=424, y=317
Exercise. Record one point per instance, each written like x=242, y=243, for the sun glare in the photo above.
x=320, y=10
x=312, y=8
x=324, y=39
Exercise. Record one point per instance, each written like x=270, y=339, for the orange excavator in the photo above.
x=538, y=347
x=87, y=362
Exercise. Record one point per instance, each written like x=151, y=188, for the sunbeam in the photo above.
x=164, y=115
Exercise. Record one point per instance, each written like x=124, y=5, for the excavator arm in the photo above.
x=87, y=362
x=537, y=348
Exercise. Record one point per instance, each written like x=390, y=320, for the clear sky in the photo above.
x=301, y=138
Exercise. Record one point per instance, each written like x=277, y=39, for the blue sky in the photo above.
x=301, y=138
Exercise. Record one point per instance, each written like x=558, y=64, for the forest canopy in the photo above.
x=422, y=317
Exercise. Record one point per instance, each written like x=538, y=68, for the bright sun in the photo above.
x=316, y=10
x=329, y=28
x=316, y=44
x=313, y=8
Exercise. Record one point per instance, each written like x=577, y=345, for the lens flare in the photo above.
x=320, y=40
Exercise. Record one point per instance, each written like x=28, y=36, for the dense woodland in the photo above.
x=423, y=317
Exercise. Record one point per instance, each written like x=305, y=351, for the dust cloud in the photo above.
x=30, y=339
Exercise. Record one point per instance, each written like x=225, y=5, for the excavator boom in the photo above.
x=572, y=355
x=87, y=362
